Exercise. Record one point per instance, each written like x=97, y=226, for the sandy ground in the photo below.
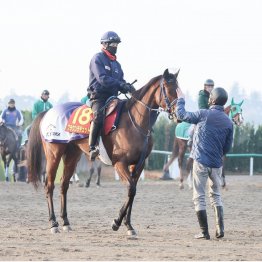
x=163, y=216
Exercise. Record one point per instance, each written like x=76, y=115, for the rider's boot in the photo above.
x=202, y=220
x=219, y=214
x=93, y=135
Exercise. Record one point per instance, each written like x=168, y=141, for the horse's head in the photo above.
x=235, y=112
x=168, y=95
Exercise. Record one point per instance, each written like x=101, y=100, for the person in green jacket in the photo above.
x=42, y=104
x=203, y=95
x=203, y=98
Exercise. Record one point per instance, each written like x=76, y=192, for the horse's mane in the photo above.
x=139, y=94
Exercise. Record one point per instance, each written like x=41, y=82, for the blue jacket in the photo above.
x=213, y=135
x=12, y=118
x=105, y=76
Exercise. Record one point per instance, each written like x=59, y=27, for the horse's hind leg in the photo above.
x=71, y=158
x=189, y=167
x=99, y=168
x=53, y=159
x=91, y=172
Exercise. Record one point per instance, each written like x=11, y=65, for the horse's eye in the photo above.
x=233, y=108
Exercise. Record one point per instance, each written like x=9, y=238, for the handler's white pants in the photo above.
x=202, y=174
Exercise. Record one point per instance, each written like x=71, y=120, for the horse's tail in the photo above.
x=34, y=151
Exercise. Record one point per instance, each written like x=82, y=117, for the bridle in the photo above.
x=169, y=105
x=163, y=96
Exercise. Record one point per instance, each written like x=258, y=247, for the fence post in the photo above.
x=251, y=166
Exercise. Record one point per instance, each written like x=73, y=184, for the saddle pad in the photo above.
x=80, y=120
x=182, y=130
x=54, y=123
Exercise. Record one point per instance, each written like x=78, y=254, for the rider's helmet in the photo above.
x=110, y=37
x=209, y=82
x=218, y=96
x=11, y=101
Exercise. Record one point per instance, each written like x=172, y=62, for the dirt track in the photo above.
x=162, y=215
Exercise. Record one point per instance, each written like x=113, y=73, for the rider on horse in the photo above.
x=203, y=97
x=13, y=119
x=106, y=78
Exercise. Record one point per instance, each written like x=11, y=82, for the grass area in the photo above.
x=2, y=171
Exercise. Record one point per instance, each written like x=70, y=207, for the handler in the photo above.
x=212, y=139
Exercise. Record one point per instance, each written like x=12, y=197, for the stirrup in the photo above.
x=94, y=152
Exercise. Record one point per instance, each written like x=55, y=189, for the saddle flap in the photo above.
x=112, y=106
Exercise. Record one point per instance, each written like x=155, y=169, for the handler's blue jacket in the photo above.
x=105, y=76
x=213, y=135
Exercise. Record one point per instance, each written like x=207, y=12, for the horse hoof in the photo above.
x=115, y=226
x=54, y=230
x=131, y=234
x=67, y=228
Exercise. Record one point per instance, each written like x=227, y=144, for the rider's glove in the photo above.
x=127, y=88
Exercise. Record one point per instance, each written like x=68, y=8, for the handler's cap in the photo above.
x=45, y=92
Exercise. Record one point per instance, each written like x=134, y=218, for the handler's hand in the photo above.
x=180, y=93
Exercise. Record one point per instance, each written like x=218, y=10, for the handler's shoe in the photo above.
x=203, y=235
x=94, y=152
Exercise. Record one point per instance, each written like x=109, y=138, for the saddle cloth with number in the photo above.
x=71, y=121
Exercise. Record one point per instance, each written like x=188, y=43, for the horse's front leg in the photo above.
x=124, y=174
x=6, y=168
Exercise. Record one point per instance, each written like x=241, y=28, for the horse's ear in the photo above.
x=232, y=101
x=176, y=74
x=166, y=73
x=240, y=104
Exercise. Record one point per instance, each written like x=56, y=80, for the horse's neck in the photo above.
x=141, y=112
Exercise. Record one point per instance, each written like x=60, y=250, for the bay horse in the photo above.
x=8, y=149
x=127, y=146
x=234, y=111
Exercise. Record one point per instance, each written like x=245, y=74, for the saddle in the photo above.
x=80, y=119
